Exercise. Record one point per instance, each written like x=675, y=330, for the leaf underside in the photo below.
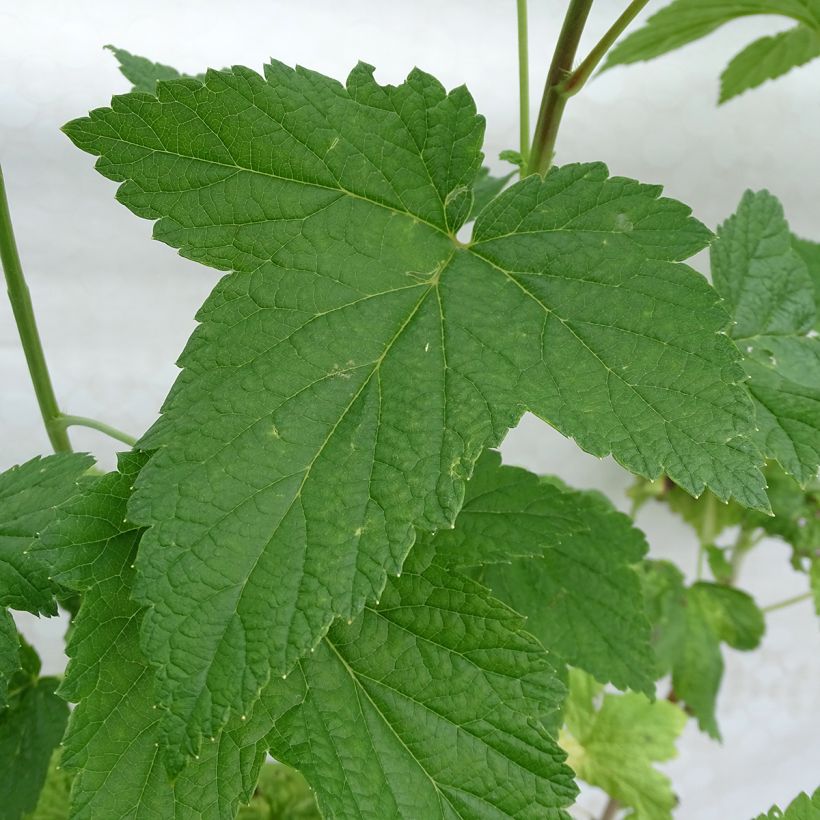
x=351, y=367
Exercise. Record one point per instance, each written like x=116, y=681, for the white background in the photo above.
x=115, y=308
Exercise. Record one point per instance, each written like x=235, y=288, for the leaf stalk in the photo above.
x=100, y=426
x=523, y=84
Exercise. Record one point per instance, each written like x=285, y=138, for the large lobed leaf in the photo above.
x=565, y=560
x=350, y=369
x=430, y=700
x=771, y=296
x=684, y=21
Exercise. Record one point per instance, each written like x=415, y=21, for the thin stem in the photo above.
x=523, y=84
x=746, y=541
x=553, y=101
x=576, y=81
x=797, y=599
x=611, y=809
x=102, y=427
x=21, y=306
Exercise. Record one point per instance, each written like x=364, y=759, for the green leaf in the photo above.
x=143, y=74
x=769, y=58
x=350, y=369
x=689, y=626
x=684, y=21
x=281, y=794
x=54, y=797
x=30, y=729
x=9, y=654
x=114, y=732
x=564, y=559
x=802, y=807
x=614, y=740
x=427, y=705
x=29, y=495
x=771, y=296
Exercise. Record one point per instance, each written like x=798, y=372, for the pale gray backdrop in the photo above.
x=115, y=308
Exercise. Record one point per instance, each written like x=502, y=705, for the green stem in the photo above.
x=523, y=85
x=746, y=540
x=797, y=599
x=708, y=532
x=102, y=427
x=553, y=101
x=576, y=81
x=21, y=306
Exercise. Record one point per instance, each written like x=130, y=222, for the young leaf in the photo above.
x=802, y=807
x=349, y=371
x=769, y=58
x=427, y=706
x=9, y=654
x=564, y=559
x=690, y=624
x=114, y=732
x=771, y=296
x=29, y=495
x=30, y=729
x=614, y=740
x=684, y=21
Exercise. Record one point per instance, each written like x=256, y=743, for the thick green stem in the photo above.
x=21, y=306
x=797, y=599
x=523, y=85
x=100, y=426
x=554, y=101
x=576, y=81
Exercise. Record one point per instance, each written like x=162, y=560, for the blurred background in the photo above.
x=115, y=309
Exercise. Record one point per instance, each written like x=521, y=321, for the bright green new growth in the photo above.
x=802, y=807
x=684, y=21
x=771, y=297
x=564, y=559
x=281, y=794
x=614, y=740
x=348, y=372
x=689, y=624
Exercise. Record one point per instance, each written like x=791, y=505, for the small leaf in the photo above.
x=684, y=21
x=689, y=626
x=769, y=58
x=771, y=296
x=719, y=565
x=615, y=744
x=564, y=559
